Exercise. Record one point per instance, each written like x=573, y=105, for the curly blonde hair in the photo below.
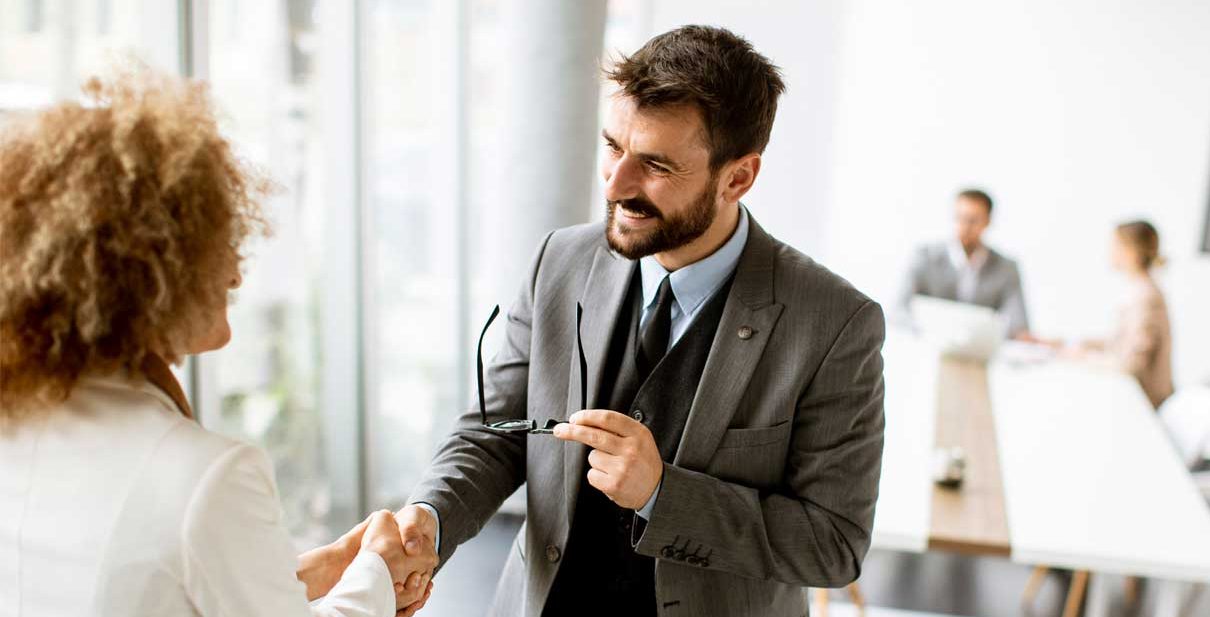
x=121, y=223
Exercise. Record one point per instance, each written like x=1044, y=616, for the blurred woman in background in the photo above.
x=121, y=224
x=1142, y=341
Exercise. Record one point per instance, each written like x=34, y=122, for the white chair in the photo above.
x=1186, y=415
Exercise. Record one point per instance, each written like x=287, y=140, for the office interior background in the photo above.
x=423, y=147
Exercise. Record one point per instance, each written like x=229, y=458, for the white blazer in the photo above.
x=114, y=503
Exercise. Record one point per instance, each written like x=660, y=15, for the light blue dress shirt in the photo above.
x=692, y=285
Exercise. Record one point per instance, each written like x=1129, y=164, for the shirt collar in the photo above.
x=696, y=282
x=958, y=256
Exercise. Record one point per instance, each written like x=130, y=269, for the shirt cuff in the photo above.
x=647, y=508
x=436, y=517
x=365, y=588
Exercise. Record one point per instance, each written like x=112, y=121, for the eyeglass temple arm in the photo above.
x=479, y=363
x=583, y=360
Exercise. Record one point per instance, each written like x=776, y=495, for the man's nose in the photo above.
x=621, y=181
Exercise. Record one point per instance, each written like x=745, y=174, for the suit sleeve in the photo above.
x=475, y=470
x=815, y=531
x=1013, y=306
x=239, y=559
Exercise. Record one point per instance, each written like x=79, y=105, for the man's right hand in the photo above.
x=382, y=537
x=418, y=530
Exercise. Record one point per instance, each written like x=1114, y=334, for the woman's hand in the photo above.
x=321, y=568
x=382, y=537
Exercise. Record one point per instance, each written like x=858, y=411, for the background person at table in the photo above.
x=1141, y=344
x=120, y=228
x=965, y=269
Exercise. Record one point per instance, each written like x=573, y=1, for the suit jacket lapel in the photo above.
x=747, y=322
x=604, y=292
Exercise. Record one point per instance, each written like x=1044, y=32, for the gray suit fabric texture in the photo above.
x=776, y=474
x=932, y=273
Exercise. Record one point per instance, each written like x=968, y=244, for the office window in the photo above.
x=266, y=386
x=45, y=56
x=411, y=107
x=33, y=16
x=434, y=120
x=104, y=16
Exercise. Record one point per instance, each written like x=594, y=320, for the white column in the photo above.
x=341, y=397
x=549, y=140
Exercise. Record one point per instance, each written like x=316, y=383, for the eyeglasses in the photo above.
x=509, y=427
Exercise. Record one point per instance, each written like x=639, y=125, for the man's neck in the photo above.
x=706, y=244
x=972, y=249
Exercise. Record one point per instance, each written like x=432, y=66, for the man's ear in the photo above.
x=738, y=177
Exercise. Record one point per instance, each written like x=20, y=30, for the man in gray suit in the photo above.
x=733, y=452
x=967, y=270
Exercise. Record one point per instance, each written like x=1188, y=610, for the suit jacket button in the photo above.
x=745, y=332
x=553, y=553
x=638, y=415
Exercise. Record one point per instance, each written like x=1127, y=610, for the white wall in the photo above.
x=1074, y=115
x=791, y=195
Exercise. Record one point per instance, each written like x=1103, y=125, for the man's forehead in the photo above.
x=675, y=129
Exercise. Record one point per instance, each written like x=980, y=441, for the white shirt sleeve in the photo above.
x=238, y=558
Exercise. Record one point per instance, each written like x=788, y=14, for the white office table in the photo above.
x=901, y=518
x=1091, y=481
x=935, y=401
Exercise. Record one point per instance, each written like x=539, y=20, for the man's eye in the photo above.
x=612, y=147
x=655, y=168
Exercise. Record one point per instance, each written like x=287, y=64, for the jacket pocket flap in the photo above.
x=758, y=436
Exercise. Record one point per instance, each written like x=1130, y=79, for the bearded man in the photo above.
x=695, y=407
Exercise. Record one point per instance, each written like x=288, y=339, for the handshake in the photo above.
x=405, y=541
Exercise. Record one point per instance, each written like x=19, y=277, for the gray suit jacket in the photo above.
x=777, y=470
x=932, y=273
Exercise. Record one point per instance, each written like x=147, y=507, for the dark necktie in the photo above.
x=653, y=340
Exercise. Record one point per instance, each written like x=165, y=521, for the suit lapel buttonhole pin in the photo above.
x=745, y=332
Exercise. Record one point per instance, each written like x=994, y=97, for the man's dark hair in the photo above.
x=735, y=87
x=977, y=195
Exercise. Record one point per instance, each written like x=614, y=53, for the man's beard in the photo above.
x=667, y=234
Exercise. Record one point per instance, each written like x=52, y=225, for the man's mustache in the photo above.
x=637, y=205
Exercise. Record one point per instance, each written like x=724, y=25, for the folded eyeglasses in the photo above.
x=531, y=426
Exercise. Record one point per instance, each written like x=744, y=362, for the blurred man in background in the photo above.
x=964, y=269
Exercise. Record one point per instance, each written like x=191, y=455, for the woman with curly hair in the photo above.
x=121, y=224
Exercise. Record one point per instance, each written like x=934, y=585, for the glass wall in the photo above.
x=412, y=117
x=48, y=47
x=266, y=385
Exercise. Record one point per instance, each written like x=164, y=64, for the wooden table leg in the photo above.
x=1031, y=587
x=820, y=603
x=855, y=595
x=1075, y=594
